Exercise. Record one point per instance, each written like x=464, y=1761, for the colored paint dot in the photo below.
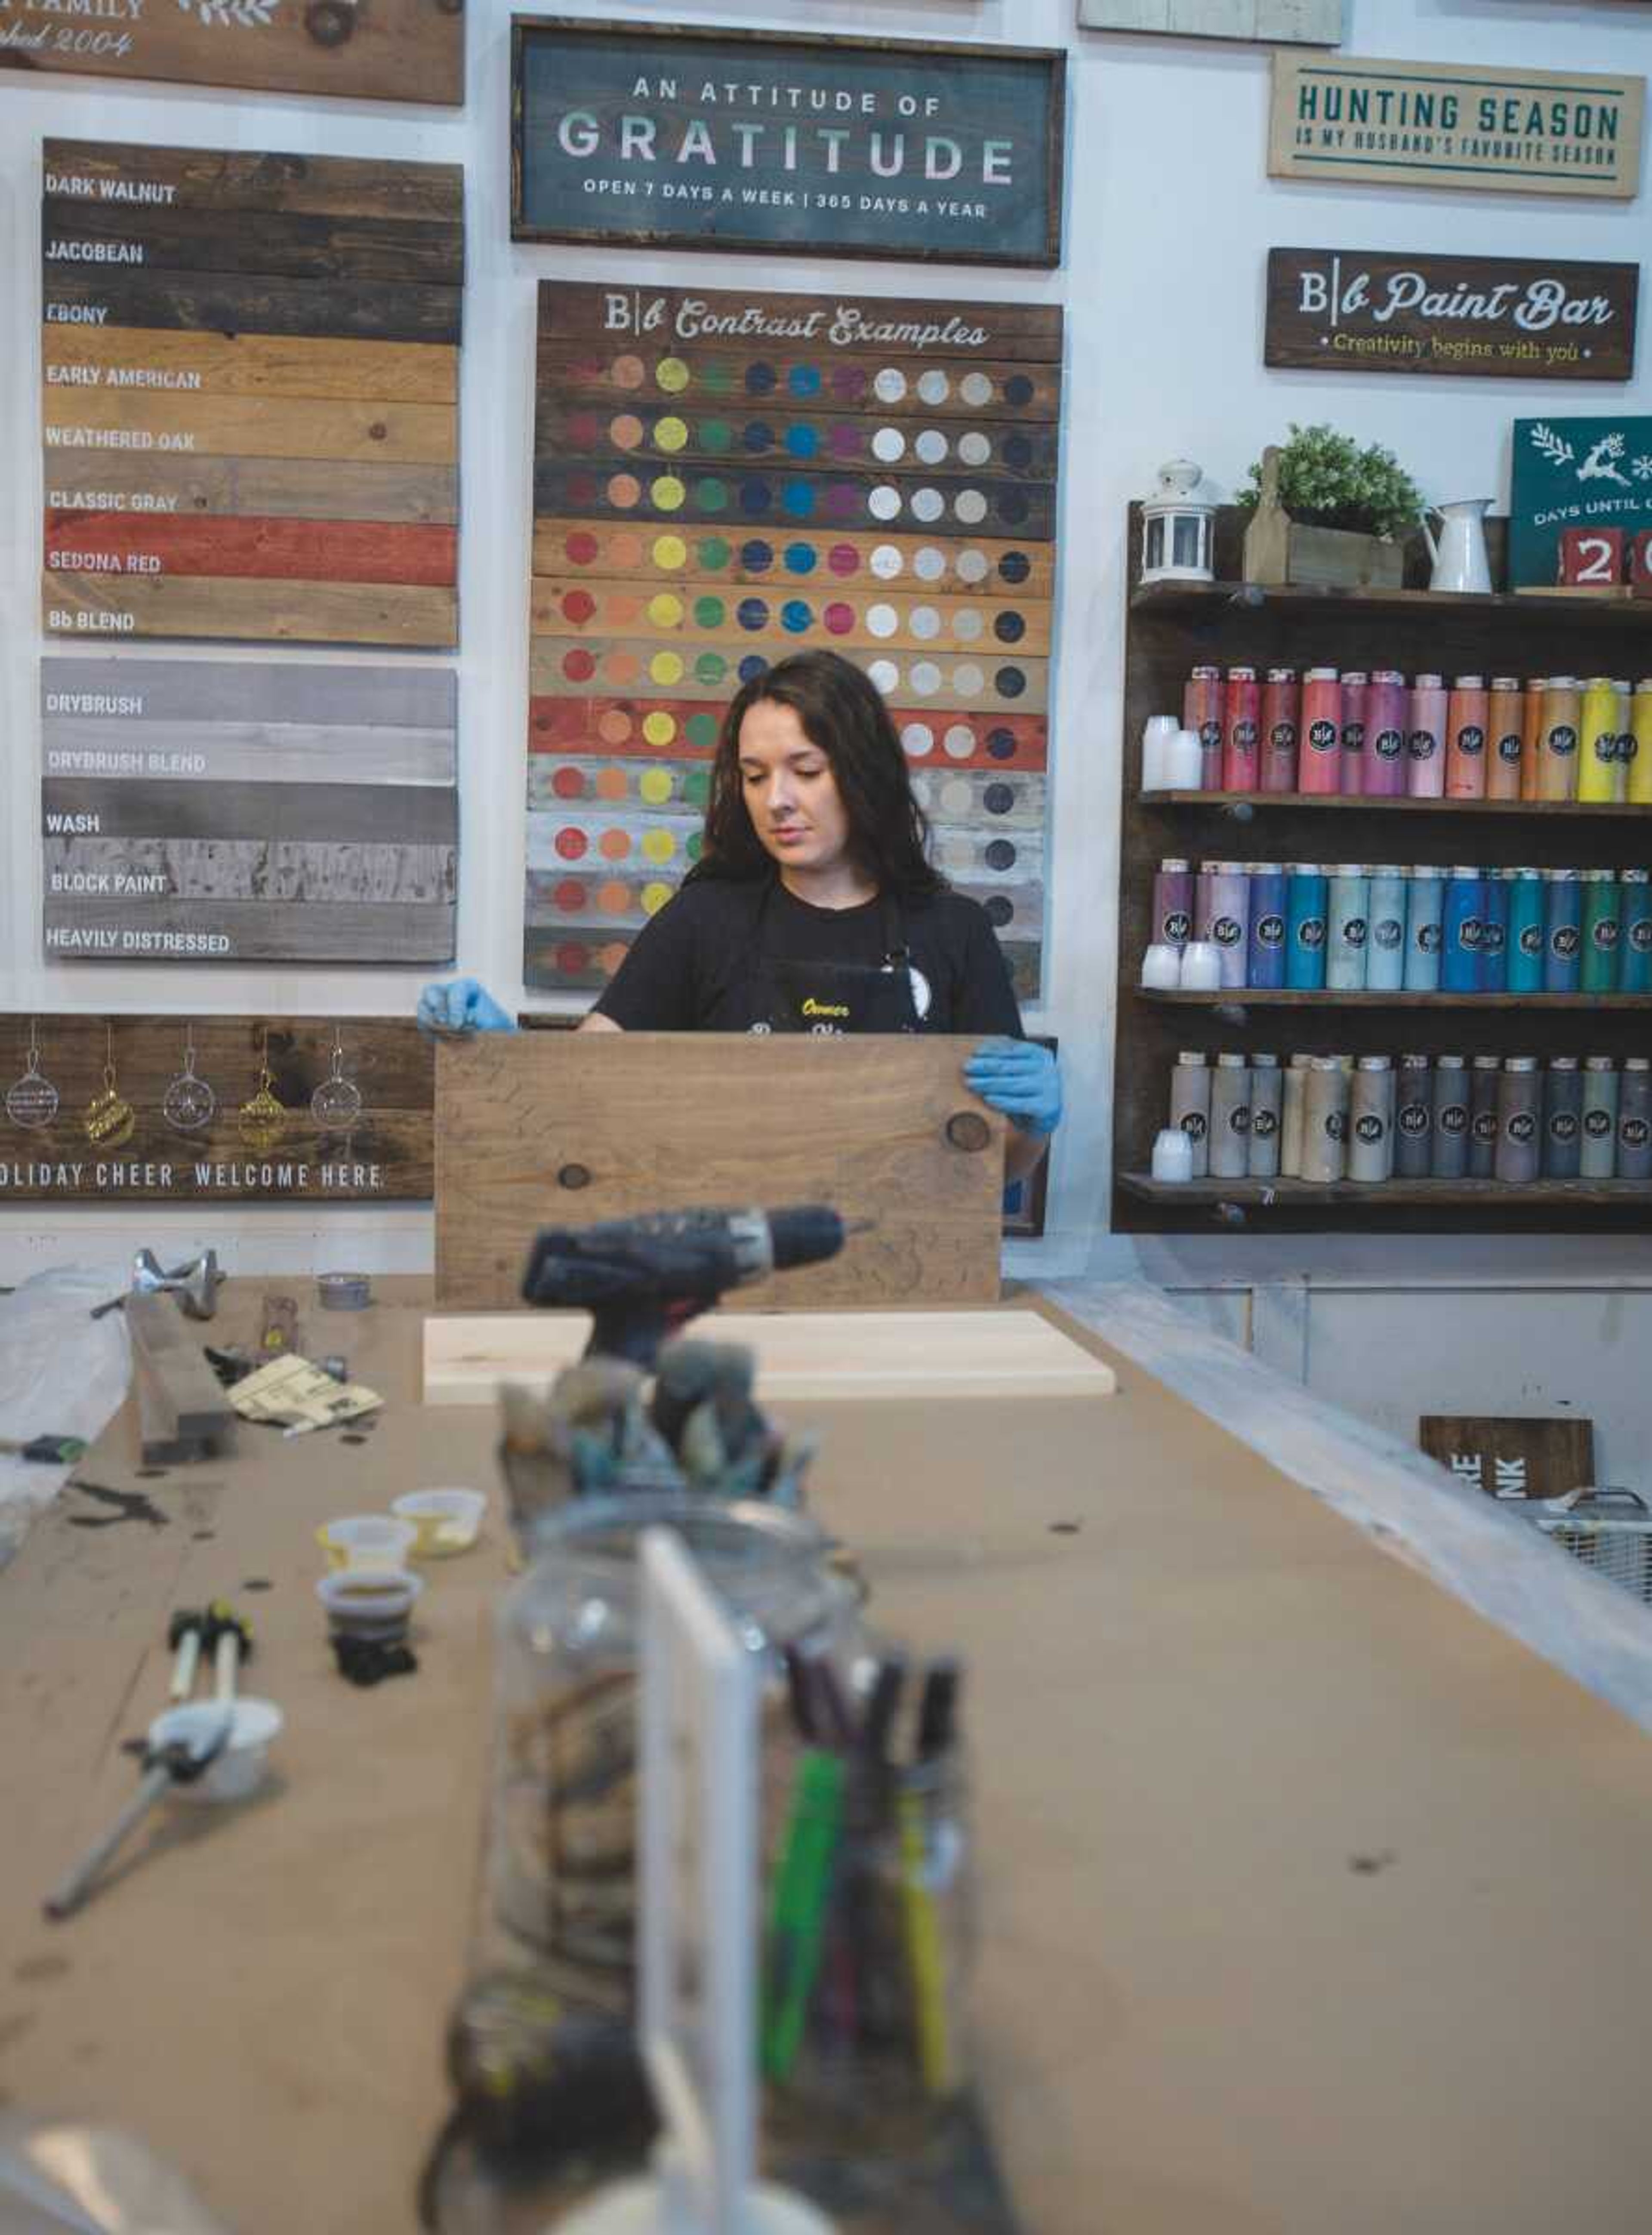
x=974, y=566
x=971, y=508
x=1018, y=453
x=933, y=387
x=672, y=375
x=659, y=845
x=665, y=667
x=796, y=616
x=755, y=497
x=654, y=898
x=578, y=606
x=802, y=441
x=890, y=385
x=926, y=679
x=801, y=557
x=882, y=621
x=1014, y=507
x=975, y=450
x=803, y=380
x=1000, y=854
x=839, y=619
x=757, y=436
x=1015, y=566
x=716, y=437
x=849, y=382
x=927, y=504
x=669, y=552
x=798, y=497
x=999, y=911
x=956, y=798
x=929, y=565
x=713, y=553
x=752, y=613
x=710, y=668
x=568, y=783
x=710, y=494
x=843, y=501
x=751, y=666
x=623, y=667
x=614, y=726
x=759, y=378
x=612, y=897
x=1000, y=744
x=716, y=378
x=968, y=681
x=668, y=493
x=918, y=739
x=608, y=959
x=696, y=786
x=756, y=556
x=623, y=609
x=572, y=959
x=695, y=846
x=584, y=430
x=579, y=666
x=843, y=559
x=612, y=784
x=845, y=442
x=966, y=625
x=659, y=728
x=614, y=845
x=998, y=798
x=960, y=742
x=931, y=447
x=627, y=372
x=1009, y=627
x=655, y=788
x=709, y=612
x=1018, y=388
x=1009, y=681
x=624, y=490
x=884, y=675
x=700, y=729
x=670, y=435
x=924, y=622
x=625, y=551
x=570, y=844
x=569, y=896
x=581, y=486
x=888, y=445
x=976, y=390
x=625, y=432
x=665, y=611
x=582, y=549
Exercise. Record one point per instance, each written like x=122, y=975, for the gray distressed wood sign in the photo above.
x=239, y=811
x=1295, y=22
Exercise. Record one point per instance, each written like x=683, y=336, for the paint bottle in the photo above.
x=1202, y=713
x=1307, y=898
x=1491, y=977
x=1597, y=1154
x=1325, y=1121
x=1562, y=715
x=1624, y=691
x=1635, y=933
x=1347, y=928
x=1532, y=738
x=1448, y=1158
x=1425, y=737
x=1384, y=969
x=1371, y=1119
x=1468, y=719
x=1505, y=714
x=1204, y=899
x=1459, y=957
x=1601, y=928
x=1231, y=918
x=1290, y=1116
x=1356, y=689
x=1230, y=1118
x=1241, y=728
x=1523, y=945
x=1635, y=1119
x=1519, y=1149
x=1563, y=930
x=1320, y=753
x=1638, y=790
x=1483, y=1116
x=1597, y=742
x=1281, y=708
x=1563, y=1118
x=1424, y=903
x=1173, y=904
x=1413, y=1118
x=1386, y=708
x=1267, y=1098
x=1190, y=1107
x=1265, y=959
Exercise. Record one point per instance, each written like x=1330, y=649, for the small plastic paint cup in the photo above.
x=370, y=1602
x=238, y=1770
x=366, y=1540
x=448, y=1521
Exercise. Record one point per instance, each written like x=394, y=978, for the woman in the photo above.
x=814, y=905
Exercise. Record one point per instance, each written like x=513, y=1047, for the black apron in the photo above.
x=829, y=998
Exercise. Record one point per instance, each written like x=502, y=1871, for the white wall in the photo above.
x=1170, y=218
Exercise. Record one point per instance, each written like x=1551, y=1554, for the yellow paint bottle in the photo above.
x=1640, y=783
x=1597, y=742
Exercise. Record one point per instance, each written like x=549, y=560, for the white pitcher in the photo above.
x=1460, y=561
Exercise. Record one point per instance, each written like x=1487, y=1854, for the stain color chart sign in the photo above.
x=722, y=479
x=231, y=811
x=250, y=380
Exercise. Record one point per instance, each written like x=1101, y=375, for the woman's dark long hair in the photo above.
x=841, y=711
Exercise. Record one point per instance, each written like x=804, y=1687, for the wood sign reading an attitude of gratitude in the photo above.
x=250, y=373
x=1347, y=310
x=722, y=479
x=242, y=1108
x=220, y=810
x=650, y=133
x=1450, y=124
x=362, y=49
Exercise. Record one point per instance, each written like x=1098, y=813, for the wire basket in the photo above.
x=1608, y=1530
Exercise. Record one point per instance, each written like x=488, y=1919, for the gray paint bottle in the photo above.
x=1635, y=1119
x=1483, y=1116
x=1519, y=1143
x=1563, y=1118
x=1190, y=1107
x=1448, y=1157
x=1267, y=1099
x=1371, y=1115
x=1230, y=1118
x=1413, y=1118
x=1598, y=1156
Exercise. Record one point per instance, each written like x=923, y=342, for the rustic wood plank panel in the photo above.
x=779, y=496
x=1301, y=23
x=251, y=426
x=221, y=303
x=614, y=729
x=983, y=566
x=245, y=752
x=146, y=869
x=803, y=375
x=304, y=550
x=646, y=1115
x=674, y=436
x=854, y=325
x=386, y=1154
x=86, y=930
x=229, y=691
x=968, y=682
x=249, y=365
x=298, y=612
x=1510, y=1457
x=223, y=180
x=340, y=813
x=269, y=244
x=78, y=479
x=834, y=618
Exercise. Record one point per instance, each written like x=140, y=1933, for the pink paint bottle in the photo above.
x=1425, y=737
x=1385, y=710
x=1356, y=685
x=1320, y=756
x=1241, y=730
x=1468, y=722
x=1282, y=709
x=1202, y=713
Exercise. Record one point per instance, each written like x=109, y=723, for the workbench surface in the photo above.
x=1310, y=1902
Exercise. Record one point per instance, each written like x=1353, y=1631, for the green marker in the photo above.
x=797, y=1913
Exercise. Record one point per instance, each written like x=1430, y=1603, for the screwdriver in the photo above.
x=46, y=1450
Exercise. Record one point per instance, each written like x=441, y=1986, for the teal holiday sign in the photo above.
x=1574, y=473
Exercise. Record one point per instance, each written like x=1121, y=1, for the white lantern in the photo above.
x=1177, y=528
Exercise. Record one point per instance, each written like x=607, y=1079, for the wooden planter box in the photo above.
x=1282, y=550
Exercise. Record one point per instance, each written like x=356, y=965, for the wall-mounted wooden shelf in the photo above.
x=1299, y=1194
x=1314, y=801
x=1199, y=601
x=1266, y=997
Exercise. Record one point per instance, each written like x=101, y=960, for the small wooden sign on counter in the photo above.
x=1450, y=124
x=1332, y=310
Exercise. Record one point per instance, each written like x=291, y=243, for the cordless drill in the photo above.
x=642, y=1279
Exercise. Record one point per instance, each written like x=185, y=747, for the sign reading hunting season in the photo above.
x=1448, y=124
x=1347, y=310
x=763, y=140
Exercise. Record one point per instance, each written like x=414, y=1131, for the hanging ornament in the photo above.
x=188, y=1103
x=262, y=1120
x=337, y=1103
x=32, y=1102
x=110, y=1119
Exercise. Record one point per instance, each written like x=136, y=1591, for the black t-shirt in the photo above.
x=689, y=967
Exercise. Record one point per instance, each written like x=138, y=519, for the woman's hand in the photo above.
x=463, y=1006
x=1019, y=1078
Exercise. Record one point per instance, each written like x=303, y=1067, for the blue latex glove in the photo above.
x=1021, y=1079
x=466, y=1005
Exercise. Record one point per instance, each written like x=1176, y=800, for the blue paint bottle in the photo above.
x=1459, y=959
x=1385, y=970
x=1635, y=947
x=1424, y=903
x=1266, y=958
x=1494, y=932
x=1307, y=893
x=1562, y=925
x=1523, y=945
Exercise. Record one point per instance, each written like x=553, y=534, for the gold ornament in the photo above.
x=336, y=1103
x=262, y=1121
x=110, y=1120
x=32, y=1101
x=188, y=1103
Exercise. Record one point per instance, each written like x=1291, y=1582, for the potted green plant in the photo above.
x=1324, y=511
